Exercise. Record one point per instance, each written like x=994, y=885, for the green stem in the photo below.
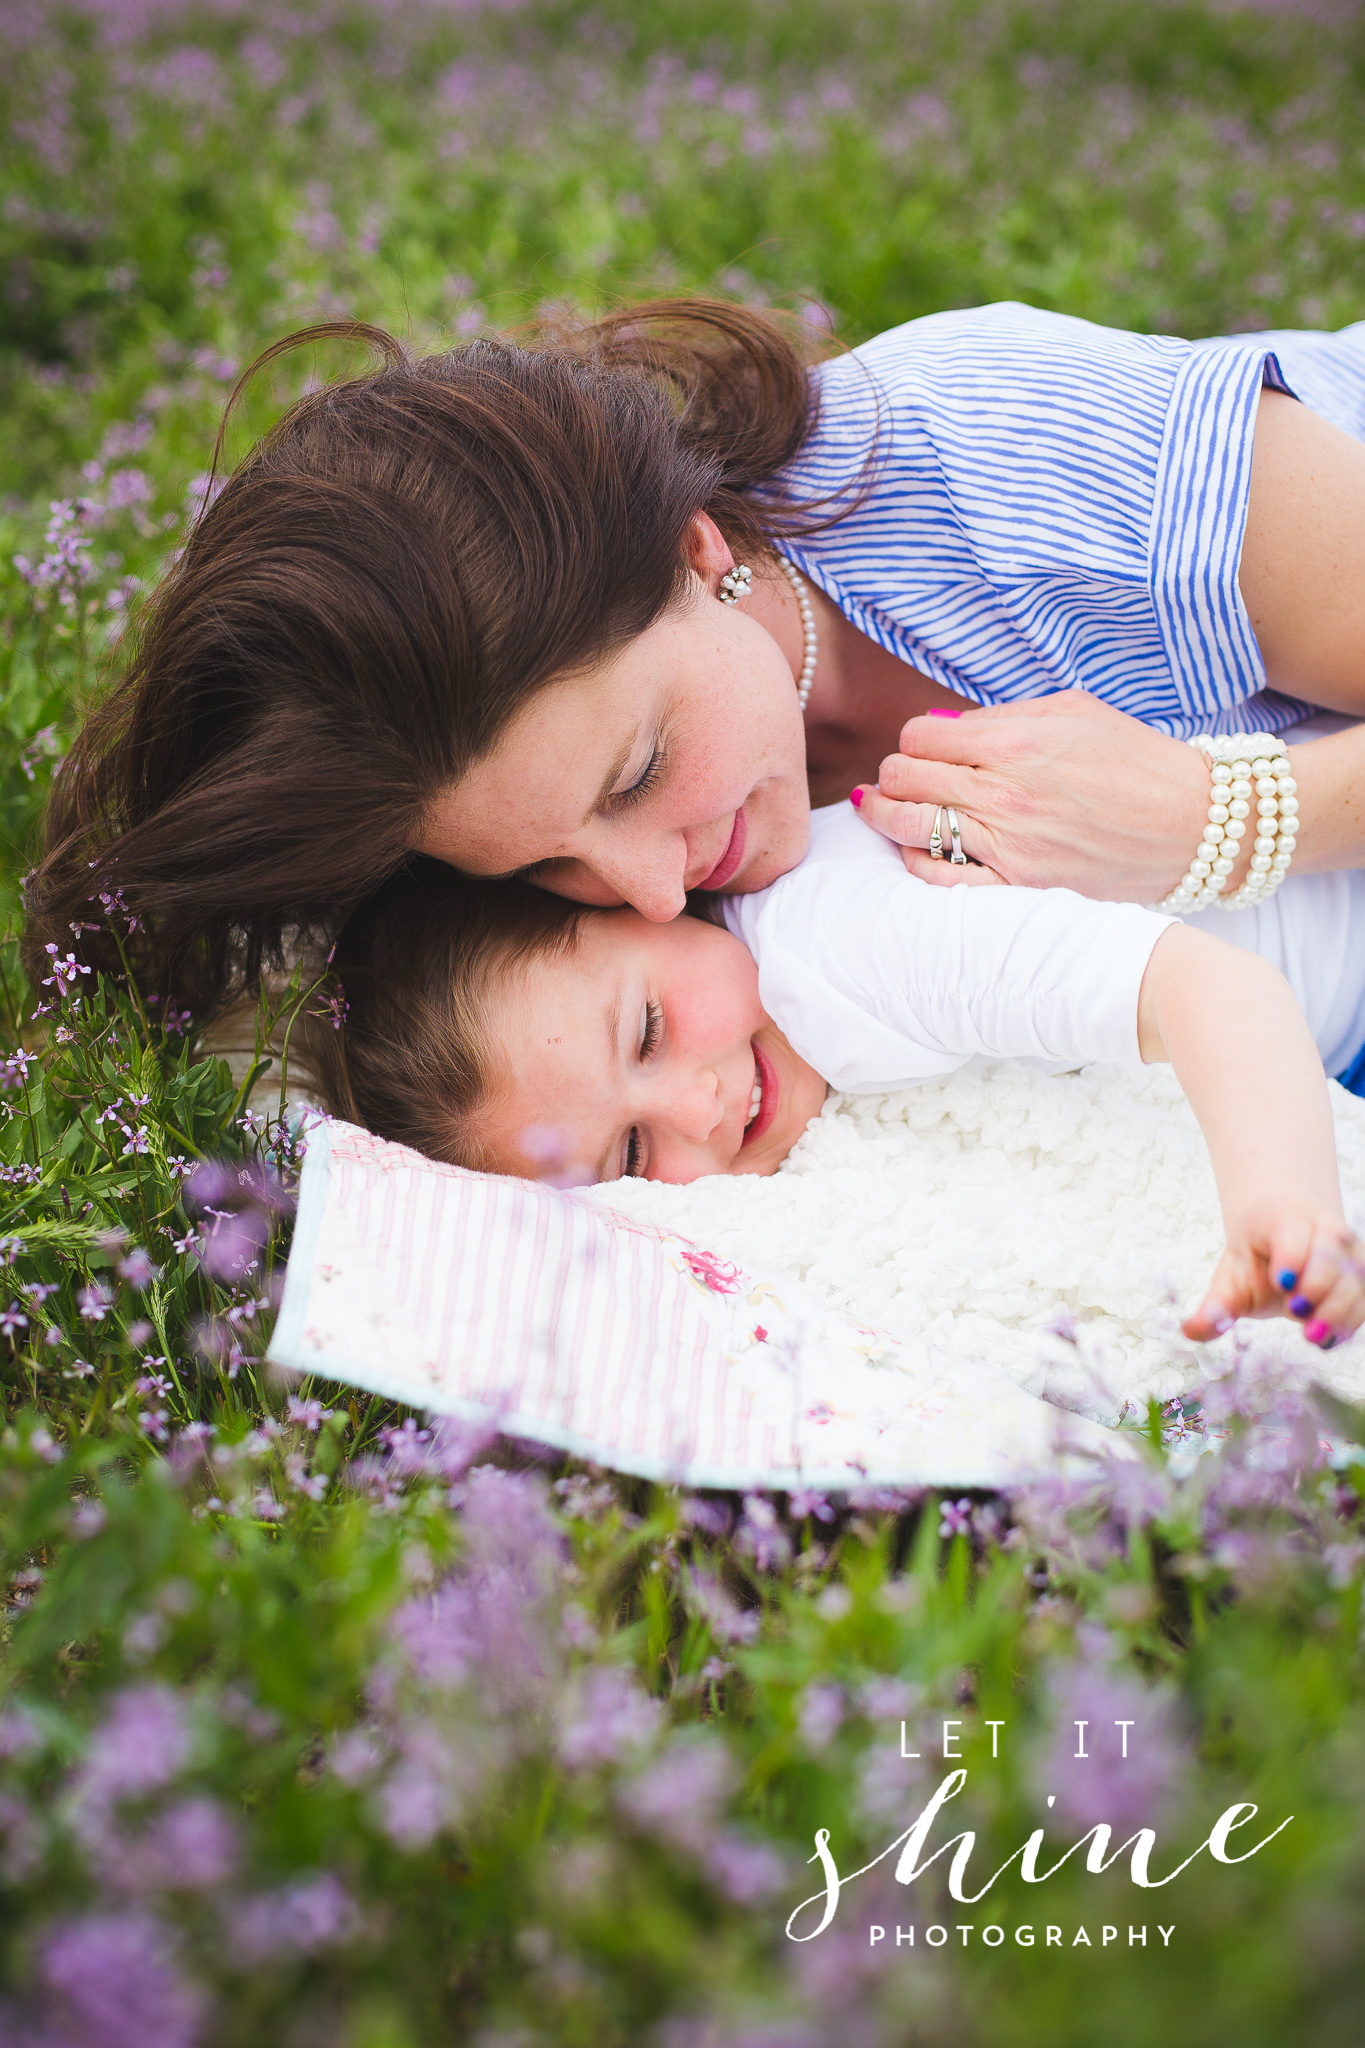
x=288, y=1030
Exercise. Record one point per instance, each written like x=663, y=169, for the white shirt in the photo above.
x=880, y=980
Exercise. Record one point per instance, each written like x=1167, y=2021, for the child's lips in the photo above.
x=730, y=860
x=766, y=1075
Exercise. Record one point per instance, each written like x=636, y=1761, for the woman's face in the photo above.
x=679, y=764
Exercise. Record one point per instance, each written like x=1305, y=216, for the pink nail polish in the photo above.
x=942, y=711
x=855, y=797
x=1222, y=1324
x=1316, y=1330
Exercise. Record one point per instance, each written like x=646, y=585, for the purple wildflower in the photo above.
x=64, y=971
x=312, y=1484
x=584, y=1499
x=234, y=1243
x=708, y=1599
x=955, y=1518
x=141, y=1745
x=1261, y=1562
x=95, y=1301
x=888, y=1781
x=1131, y=1790
x=19, y=1734
x=21, y=1847
x=760, y=1536
x=745, y=1870
x=191, y=1847
x=889, y=1699
x=889, y=1500
x=804, y=1505
x=136, y=1268
x=12, y=1320
x=437, y=1778
x=355, y=1756
x=608, y=1717
x=489, y=1625
x=303, y=1918
x=217, y=1184
x=820, y=1715
x=115, y=1980
x=333, y=1009
x=679, y=1796
x=311, y=1414
x=712, y=1517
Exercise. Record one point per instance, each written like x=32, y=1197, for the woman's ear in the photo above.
x=708, y=551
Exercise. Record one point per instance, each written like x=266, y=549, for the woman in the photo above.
x=492, y=606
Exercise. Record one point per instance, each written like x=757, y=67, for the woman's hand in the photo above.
x=1286, y=1257
x=1059, y=792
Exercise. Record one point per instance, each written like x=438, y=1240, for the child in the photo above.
x=484, y=1017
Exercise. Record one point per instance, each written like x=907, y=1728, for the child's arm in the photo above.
x=1242, y=1051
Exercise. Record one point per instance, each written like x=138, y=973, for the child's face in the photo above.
x=643, y=1050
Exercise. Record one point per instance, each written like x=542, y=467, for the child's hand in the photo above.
x=1287, y=1258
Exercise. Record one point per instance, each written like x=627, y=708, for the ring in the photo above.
x=957, y=856
x=936, y=836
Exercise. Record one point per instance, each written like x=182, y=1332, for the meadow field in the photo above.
x=319, y=1726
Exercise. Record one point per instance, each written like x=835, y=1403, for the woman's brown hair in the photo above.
x=385, y=580
x=419, y=964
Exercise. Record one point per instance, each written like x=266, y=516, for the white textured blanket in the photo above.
x=989, y=1211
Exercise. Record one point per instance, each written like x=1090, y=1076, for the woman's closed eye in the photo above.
x=643, y=783
x=651, y=1035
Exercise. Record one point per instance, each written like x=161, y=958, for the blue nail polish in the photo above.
x=1300, y=1305
x=1287, y=1278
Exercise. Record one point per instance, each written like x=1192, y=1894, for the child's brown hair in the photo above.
x=415, y=1060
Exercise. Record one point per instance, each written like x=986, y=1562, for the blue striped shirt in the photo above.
x=1061, y=506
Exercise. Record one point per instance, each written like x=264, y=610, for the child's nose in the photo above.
x=696, y=1105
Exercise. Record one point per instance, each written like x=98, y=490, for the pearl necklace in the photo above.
x=739, y=581
x=812, y=644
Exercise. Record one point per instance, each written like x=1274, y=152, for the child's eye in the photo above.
x=645, y=781
x=633, y=1154
x=653, y=1030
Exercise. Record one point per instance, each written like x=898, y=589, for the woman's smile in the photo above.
x=731, y=860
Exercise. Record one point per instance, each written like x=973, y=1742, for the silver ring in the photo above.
x=957, y=856
x=936, y=836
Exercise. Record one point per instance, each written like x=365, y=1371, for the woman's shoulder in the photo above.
x=978, y=384
x=1004, y=352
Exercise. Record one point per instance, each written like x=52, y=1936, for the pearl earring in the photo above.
x=735, y=584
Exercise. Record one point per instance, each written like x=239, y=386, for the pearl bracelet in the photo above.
x=1246, y=768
